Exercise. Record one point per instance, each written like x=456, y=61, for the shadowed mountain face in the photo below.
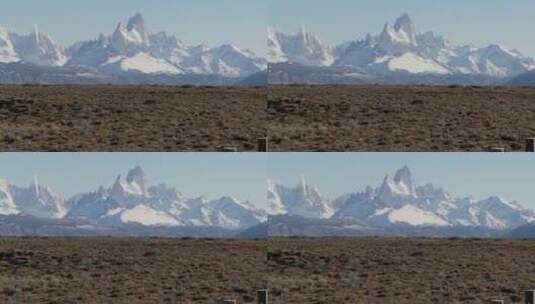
x=526, y=79
x=397, y=206
x=524, y=231
x=398, y=54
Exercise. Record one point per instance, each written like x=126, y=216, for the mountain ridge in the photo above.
x=129, y=201
x=398, y=49
x=131, y=48
x=398, y=201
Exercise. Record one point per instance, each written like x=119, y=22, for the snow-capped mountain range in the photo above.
x=399, y=201
x=399, y=48
x=131, y=48
x=304, y=200
x=130, y=200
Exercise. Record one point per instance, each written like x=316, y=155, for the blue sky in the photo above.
x=241, y=22
x=508, y=175
x=240, y=175
x=507, y=22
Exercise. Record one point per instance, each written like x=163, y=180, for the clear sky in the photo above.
x=214, y=22
x=239, y=175
x=508, y=175
x=483, y=22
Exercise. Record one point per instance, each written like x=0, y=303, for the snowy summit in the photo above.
x=399, y=48
x=130, y=48
x=400, y=201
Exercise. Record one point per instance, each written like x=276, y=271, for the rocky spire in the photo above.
x=404, y=177
x=404, y=24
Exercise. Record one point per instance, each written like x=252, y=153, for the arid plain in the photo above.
x=131, y=118
x=130, y=270
x=400, y=118
x=392, y=270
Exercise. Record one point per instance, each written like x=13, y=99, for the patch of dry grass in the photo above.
x=296, y=270
x=130, y=118
x=399, y=118
x=377, y=270
x=113, y=270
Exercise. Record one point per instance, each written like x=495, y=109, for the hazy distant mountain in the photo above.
x=303, y=47
x=20, y=72
x=523, y=232
x=131, y=54
x=399, y=50
x=399, y=202
x=36, y=200
x=130, y=203
x=36, y=47
x=526, y=79
x=27, y=225
x=304, y=200
x=259, y=231
x=133, y=48
x=295, y=225
x=257, y=79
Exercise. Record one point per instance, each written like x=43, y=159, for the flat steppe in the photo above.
x=412, y=271
x=400, y=118
x=116, y=270
x=130, y=118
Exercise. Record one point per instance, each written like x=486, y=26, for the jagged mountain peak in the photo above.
x=225, y=200
x=135, y=184
x=35, y=200
x=430, y=191
x=303, y=184
x=302, y=47
x=102, y=191
x=7, y=49
x=133, y=200
x=400, y=185
x=303, y=31
x=4, y=32
x=35, y=33
x=165, y=40
x=137, y=23
x=131, y=48
x=404, y=177
x=303, y=199
x=118, y=28
x=404, y=23
x=401, y=33
x=7, y=205
x=36, y=47
x=396, y=51
x=399, y=200
x=427, y=207
x=136, y=174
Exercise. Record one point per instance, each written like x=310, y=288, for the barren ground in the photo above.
x=399, y=118
x=375, y=270
x=112, y=270
x=130, y=118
